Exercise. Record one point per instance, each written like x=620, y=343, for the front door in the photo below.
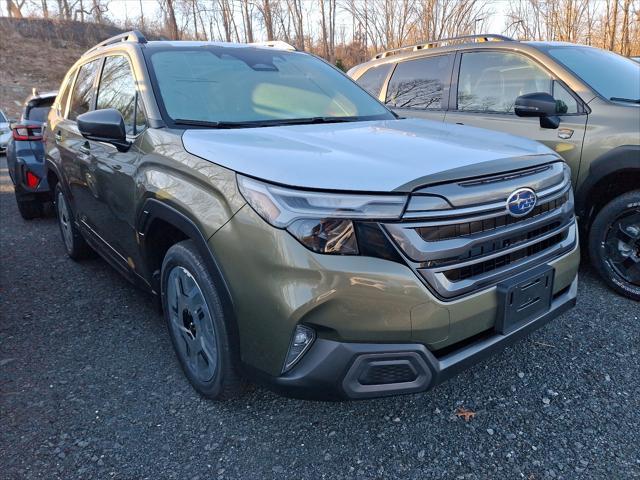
x=487, y=86
x=113, y=217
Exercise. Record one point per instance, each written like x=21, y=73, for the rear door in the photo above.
x=486, y=85
x=420, y=87
x=75, y=159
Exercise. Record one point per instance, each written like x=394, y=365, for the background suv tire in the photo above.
x=614, y=244
x=196, y=322
x=75, y=245
x=29, y=209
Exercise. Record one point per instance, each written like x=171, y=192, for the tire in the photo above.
x=29, y=209
x=614, y=244
x=197, y=324
x=75, y=245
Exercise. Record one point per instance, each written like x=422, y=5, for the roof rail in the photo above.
x=444, y=41
x=132, y=36
x=277, y=44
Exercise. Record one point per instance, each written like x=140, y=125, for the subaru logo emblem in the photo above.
x=521, y=202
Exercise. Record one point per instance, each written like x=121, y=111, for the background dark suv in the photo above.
x=25, y=155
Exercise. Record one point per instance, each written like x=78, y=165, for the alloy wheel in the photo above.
x=192, y=324
x=622, y=246
x=64, y=218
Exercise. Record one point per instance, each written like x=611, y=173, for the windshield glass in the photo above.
x=3, y=119
x=608, y=73
x=241, y=84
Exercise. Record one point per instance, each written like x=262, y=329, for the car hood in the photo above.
x=372, y=156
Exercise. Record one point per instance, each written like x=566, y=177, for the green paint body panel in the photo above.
x=277, y=283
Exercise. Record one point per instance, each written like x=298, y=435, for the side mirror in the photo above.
x=541, y=105
x=105, y=125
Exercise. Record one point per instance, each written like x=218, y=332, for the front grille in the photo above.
x=476, y=244
x=476, y=269
x=444, y=232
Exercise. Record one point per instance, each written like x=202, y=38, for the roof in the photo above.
x=135, y=37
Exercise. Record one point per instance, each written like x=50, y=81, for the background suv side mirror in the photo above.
x=106, y=125
x=539, y=104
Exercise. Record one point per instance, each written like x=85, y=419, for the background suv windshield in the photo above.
x=226, y=84
x=609, y=74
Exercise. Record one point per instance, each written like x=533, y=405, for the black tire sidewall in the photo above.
x=29, y=209
x=597, y=236
x=78, y=248
x=185, y=254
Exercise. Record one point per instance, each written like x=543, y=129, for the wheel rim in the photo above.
x=192, y=324
x=622, y=246
x=64, y=218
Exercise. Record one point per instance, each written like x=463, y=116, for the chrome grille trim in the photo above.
x=450, y=289
x=459, y=265
x=497, y=205
x=483, y=194
x=413, y=246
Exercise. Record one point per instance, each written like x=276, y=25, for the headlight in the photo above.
x=320, y=221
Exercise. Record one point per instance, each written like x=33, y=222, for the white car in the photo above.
x=5, y=132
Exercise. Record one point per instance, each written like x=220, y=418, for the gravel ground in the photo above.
x=90, y=388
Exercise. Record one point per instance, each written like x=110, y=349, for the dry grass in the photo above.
x=37, y=53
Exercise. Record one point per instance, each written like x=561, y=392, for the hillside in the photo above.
x=37, y=53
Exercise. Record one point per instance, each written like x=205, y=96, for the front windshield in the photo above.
x=256, y=85
x=609, y=74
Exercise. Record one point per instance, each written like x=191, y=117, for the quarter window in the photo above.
x=118, y=90
x=373, y=78
x=419, y=83
x=82, y=97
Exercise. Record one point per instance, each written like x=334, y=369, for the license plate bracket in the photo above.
x=524, y=297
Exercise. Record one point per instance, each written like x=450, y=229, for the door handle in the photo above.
x=459, y=123
x=116, y=167
x=58, y=136
x=85, y=149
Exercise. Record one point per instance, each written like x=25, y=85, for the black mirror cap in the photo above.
x=541, y=105
x=106, y=125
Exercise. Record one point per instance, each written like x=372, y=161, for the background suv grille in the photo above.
x=477, y=244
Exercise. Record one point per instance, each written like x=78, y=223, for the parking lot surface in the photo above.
x=90, y=388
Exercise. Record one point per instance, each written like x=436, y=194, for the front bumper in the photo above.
x=334, y=370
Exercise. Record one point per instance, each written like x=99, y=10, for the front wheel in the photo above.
x=614, y=244
x=196, y=322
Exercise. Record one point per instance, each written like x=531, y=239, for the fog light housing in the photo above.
x=302, y=339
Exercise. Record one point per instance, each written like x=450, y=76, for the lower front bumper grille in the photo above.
x=334, y=370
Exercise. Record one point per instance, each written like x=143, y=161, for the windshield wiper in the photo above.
x=621, y=99
x=263, y=123
x=312, y=120
x=213, y=124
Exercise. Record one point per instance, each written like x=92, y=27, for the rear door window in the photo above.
x=372, y=79
x=82, y=97
x=118, y=90
x=420, y=83
x=39, y=111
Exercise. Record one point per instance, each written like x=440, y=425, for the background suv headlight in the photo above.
x=322, y=222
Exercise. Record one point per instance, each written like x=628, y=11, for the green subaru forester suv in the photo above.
x=582, y=102
x=296, y=231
